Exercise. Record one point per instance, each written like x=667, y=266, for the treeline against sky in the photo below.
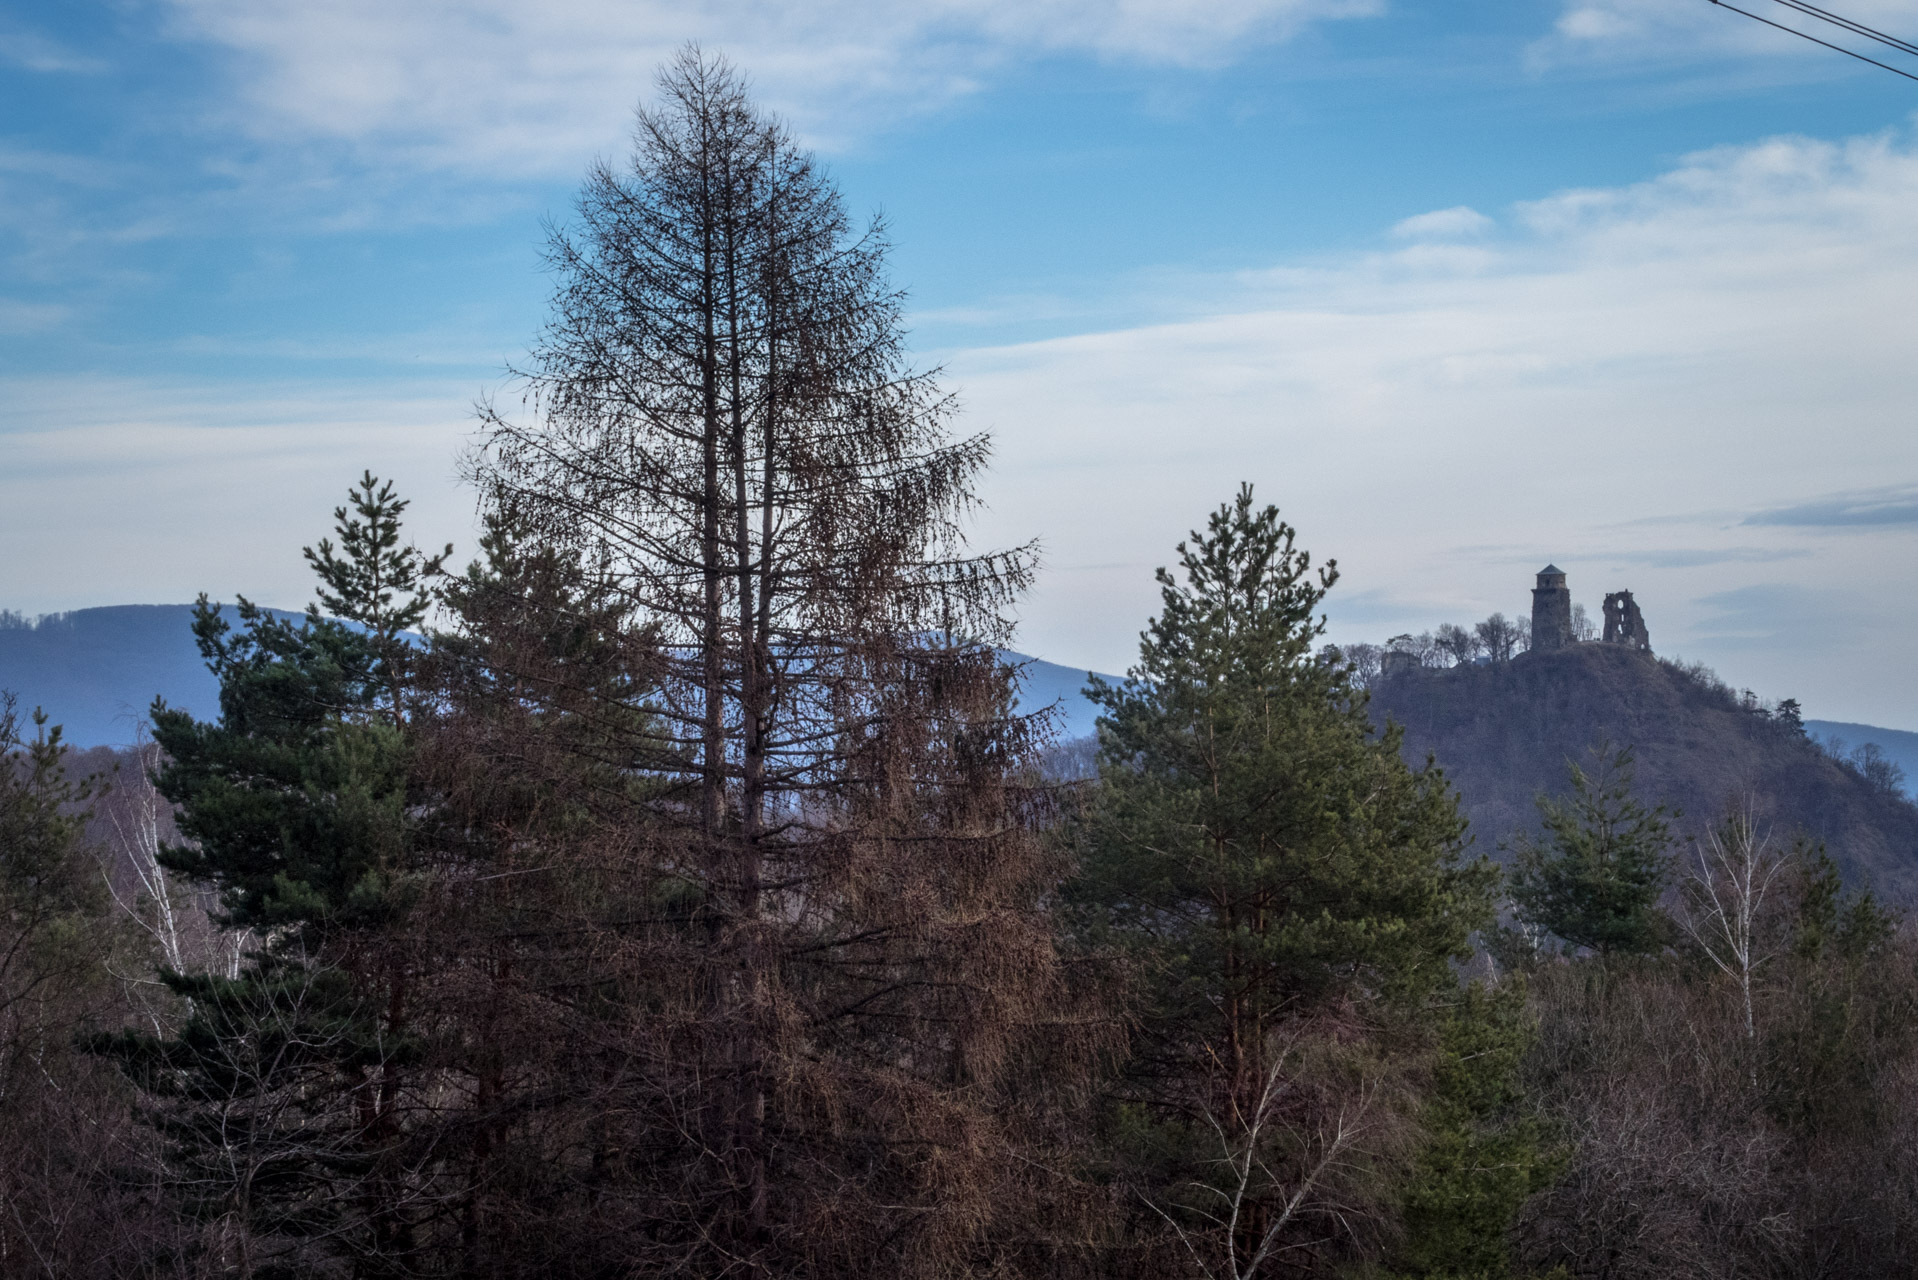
x=692, y=901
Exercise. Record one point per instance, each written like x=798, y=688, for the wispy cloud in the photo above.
x=527, y=86
x=1720, y=339
x=1655, y=557
x=32, y=51
x=1444, y=224
x=1866, y=508
x=1701, y=557
x=125, y=468
x=1658, y=31
x=1767, y=613
x=17, y=317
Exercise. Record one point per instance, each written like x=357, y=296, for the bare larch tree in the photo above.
x=721, y=427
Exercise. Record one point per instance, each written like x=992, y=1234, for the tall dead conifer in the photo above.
x=838, y=998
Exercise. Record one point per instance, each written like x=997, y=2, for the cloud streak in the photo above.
x=31, y=51
x=1658, y=31
x=528, y=86
x=1867, y=509
x=175, y=488
x=1443, y=224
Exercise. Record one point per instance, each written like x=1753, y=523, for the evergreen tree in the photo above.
x=1595, y=878
x=1483, y=1154
x=1827, y=920
x=283, y=1091
x=45, y=882
x=375, y=581
x=1289, y=891
x=51, y=931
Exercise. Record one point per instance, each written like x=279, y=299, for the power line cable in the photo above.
x=1859, y=28
x=1805, y=35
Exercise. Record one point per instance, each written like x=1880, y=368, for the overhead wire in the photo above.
x=1840, y=20
x=1846, y=23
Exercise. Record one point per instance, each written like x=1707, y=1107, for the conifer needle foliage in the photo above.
x=1291, y=896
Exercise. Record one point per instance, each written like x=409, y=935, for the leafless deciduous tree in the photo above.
x=136, y=823
x=1276, y=1166
x=133, y=822
x=1422, y=649
x=1365, y=662
x=1500, y=637
x=1457, y=644
x=1736, y=867
x=77, y=1178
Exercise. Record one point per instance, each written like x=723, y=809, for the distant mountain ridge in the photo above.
x=1899, y=746
x=97, y=671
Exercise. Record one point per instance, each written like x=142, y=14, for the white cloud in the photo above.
x=1667, y=32
x=1613, y=384
x=531, y=85
x=1444, y=224
x=31, y=51
x=18, y=317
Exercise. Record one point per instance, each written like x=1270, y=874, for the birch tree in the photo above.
x=1732, y=874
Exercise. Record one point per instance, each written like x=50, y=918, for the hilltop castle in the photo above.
x=1552, y=615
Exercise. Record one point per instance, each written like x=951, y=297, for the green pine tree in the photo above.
x=284, y=1089
x=376, y=581
x=46, y=884
x=52, y=907
x=1595, y=878
x=1289, y=892
x=1484, y=1153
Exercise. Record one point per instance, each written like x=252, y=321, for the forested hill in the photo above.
x=97, y=671
x=1503, y=732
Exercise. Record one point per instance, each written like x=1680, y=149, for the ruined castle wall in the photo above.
x=1624, y=623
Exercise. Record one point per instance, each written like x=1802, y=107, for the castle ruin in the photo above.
x=1552, y=615
x=1624, y=624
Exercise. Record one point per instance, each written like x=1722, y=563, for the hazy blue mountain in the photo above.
x=96, y=671
x=1899, y=746
x=1047, y=684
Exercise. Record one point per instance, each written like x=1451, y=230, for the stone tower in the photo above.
x=1551, y=610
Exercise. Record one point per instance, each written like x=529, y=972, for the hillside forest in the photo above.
x=674, y=889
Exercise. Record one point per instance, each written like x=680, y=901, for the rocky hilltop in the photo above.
x=1503, y=732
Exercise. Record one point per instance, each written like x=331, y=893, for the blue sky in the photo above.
x=1464, y=287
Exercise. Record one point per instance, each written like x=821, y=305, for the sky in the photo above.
x=1463, y=287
